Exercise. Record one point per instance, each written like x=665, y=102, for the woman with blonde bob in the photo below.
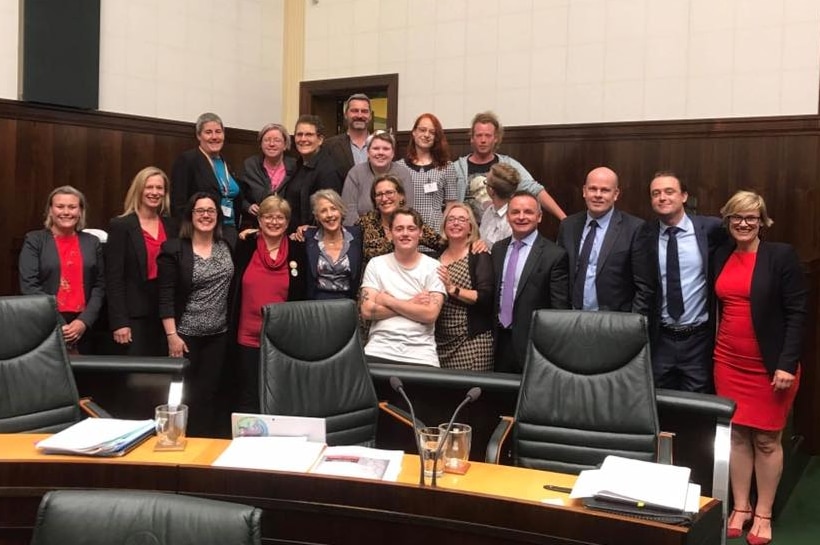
x=134, y=241
x=464, y=336
x=762, y=312
x=63, y=261
x=270, y=268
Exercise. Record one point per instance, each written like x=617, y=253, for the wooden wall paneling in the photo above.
x=104, y=173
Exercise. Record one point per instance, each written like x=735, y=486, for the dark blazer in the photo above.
x=338, y=147
x=39, y=268
x=254, y=180
x=192, y=172
x=354, y=256
x=129, y=294
x=544, y=283
x=624, y=278
x=710, y=235
x=242, y=258
x=779, y=303
x=318, y=172
x=175, y=276
x=480, y=316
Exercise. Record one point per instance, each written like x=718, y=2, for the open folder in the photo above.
x=635, y=487
x=98, y=437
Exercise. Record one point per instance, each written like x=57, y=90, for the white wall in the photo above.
x=573, y=61
x=175, y=59
x=8, y=48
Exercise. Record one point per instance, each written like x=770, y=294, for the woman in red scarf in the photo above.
x=270, y=268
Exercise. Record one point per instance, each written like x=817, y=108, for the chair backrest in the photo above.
x=38, y=390
x=103, y=517
x=312, y=364
x=586, y=391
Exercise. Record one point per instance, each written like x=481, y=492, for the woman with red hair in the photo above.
x=435, y=182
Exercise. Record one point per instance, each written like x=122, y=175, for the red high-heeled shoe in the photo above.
x=754, y=539
x=733, y=533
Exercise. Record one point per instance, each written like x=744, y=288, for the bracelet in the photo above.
x=171, y=334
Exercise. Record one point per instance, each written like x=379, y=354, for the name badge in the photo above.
x=430, y=187
x=227, y=208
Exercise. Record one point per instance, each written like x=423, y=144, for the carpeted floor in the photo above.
x=799, y=523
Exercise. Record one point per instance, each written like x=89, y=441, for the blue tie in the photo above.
x=582, y=266
x=674, y=293
x=505, y=314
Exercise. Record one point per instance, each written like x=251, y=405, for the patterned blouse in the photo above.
x=375, y=242
x=444, y=185
x=207, y=310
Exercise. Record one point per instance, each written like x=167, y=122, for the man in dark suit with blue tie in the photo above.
x=531, y=273
x=682, y=329
x=608, y=251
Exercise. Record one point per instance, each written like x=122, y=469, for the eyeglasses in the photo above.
x=425, y=130
x=751, y=221
x=305, y=135
x=273, y=218
x=205, y=211
x=457, y=219
x=270, y=141
x=390, y=193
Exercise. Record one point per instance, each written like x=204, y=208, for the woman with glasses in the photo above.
x=270, y=268
x=204, y=168
x=464, y=337
x=762, y=312
x=381, y=148
x=434, y=177
x=334, y=252
x=387, y=195
x=266, y=173
x=315, y=170
x=194, y=278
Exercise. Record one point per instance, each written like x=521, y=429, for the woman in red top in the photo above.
x=762, y=298
x=270, y=268
x=63, y=261
x=134, y=241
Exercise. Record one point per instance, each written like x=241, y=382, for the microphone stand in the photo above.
x=396, y=384
x=472, y=395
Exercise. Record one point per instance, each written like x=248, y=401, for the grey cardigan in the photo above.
x=39, y=268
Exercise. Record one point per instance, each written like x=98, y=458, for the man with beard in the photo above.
x=349, y=148
x=401, y=297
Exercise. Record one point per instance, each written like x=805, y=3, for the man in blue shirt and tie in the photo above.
x=682, y=326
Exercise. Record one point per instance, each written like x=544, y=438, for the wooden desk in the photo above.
x=488, y=505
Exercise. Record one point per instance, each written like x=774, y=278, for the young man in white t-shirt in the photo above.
x=401, y=296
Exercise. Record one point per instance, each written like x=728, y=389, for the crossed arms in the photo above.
x=380, y=305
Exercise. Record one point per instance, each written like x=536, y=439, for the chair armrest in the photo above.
x=92, y=409
x=497, y=440
x=129, y=364
x=717, y=407
x=400, y=414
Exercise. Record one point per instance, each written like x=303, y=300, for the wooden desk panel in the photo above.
x=489, y=505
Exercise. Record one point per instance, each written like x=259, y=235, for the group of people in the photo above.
x=447, y=264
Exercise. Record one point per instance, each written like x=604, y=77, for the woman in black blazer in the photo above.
x=762, y=312
x=63, y=261
x=195, y=273
x=205, y=169
x=134, y=241
x=334, y=252
x=267, y=173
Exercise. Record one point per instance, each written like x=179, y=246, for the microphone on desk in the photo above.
x=473, y=394
x=396, y=384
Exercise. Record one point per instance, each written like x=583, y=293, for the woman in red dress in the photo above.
x=762, y=302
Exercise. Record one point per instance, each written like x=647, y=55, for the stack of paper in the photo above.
x=299, y=455
x=98, y=437
x=640, y=484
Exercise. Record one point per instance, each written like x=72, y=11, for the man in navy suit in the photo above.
x=608, y=251
x=531, y=273
x=681, y=326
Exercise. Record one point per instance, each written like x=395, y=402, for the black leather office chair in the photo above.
x=39, y=393
x=103, y=517
x=586, y=392
x=312, y=364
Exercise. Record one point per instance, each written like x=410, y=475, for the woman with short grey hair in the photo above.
x=266, y=173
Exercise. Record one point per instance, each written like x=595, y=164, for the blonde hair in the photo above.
x=274, y=203
x=133, y=197
x=65, y=190
x=474, y=234
x=746, y=200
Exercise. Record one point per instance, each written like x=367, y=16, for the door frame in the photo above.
x=349, y=86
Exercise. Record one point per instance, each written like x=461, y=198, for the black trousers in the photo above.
x=206, y=355
x=247, y=380
x=684, y=363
